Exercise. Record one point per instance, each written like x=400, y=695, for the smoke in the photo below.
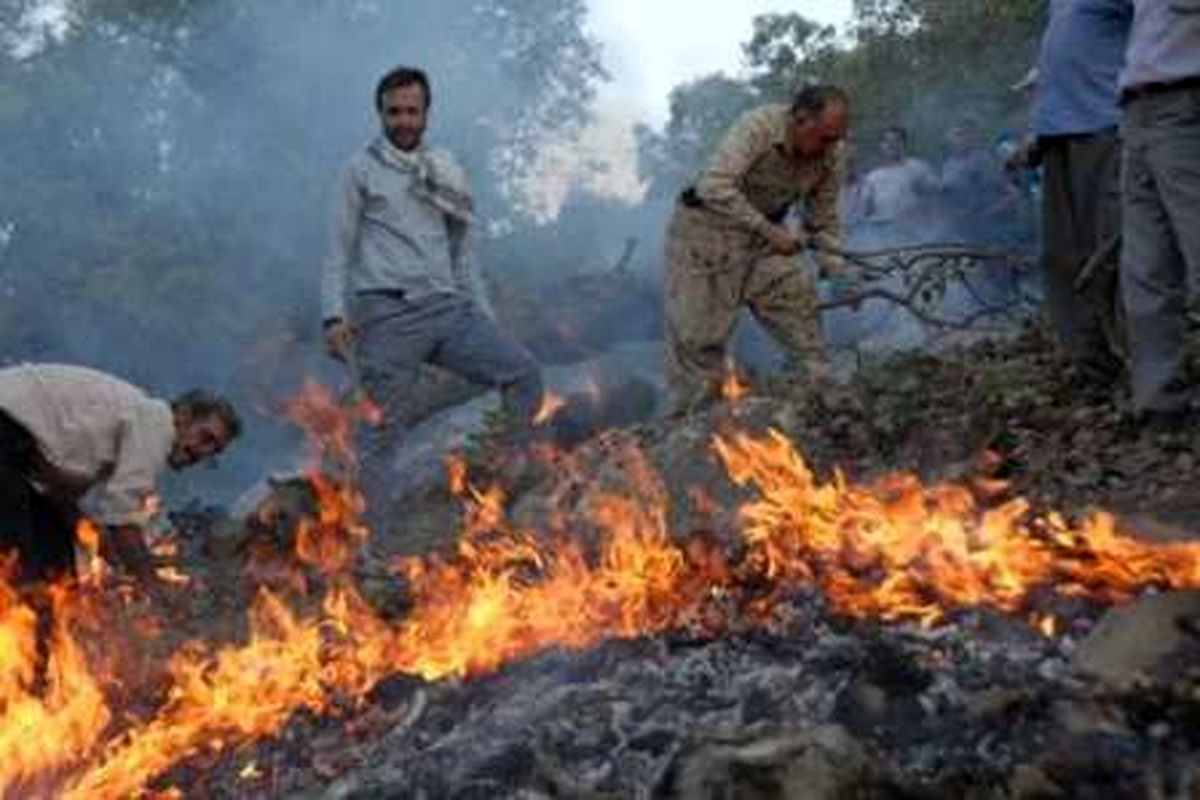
x=167, y=176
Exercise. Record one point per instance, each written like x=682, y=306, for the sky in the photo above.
x=650, y=46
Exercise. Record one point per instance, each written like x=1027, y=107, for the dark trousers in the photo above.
x=1081, y=213
x=38, y=527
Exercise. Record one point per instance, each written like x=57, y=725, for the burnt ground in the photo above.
x=814, y=704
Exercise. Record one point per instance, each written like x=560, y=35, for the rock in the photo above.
x=817, y=764
x=1135, y=639
x=268, y=512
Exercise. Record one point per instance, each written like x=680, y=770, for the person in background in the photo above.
x=895, y=191
x=974, y=191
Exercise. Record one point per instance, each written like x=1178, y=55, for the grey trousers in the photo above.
x=1160, y=258
x=396, y=335
x=1081, y=213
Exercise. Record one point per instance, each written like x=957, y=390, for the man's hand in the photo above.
x=339, y=338
x=783, y=242
x=1027, y=155
x=125, y=545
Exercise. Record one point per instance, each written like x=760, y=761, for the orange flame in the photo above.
x=895, y=549
x=733, y=388
x=899, y=550
x=551, y=404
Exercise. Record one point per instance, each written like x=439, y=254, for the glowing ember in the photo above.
x=733, y=388
x=551, y=405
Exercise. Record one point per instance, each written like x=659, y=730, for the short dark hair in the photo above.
x=899, y=131
x=813, y=99
x=201, y=403
x=402, y=76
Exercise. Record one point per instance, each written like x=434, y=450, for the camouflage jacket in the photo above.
x=751, y=180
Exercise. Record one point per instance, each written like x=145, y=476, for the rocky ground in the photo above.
x=814, y=704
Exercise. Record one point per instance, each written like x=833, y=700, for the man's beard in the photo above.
x=405, y=140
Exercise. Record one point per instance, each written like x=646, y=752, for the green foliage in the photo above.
x=917, y=63
x=700, y=113
x=207, y=133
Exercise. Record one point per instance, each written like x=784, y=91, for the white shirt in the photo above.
x=96, y=432
x=894, y=191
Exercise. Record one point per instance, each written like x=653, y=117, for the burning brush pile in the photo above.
x=685, y=610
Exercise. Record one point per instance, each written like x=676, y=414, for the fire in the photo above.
x=894, y=550
x=551, y=404
x=900, y=550
x=733, y=388
x=91, y=567
x=45, y=729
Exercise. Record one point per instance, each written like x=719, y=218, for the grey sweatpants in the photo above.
x=396, y=335
x=1160, y=258
x=1081, y=213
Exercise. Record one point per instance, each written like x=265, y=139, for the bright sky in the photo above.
x=650, y=46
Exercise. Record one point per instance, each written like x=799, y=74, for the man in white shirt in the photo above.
x=894, y=191
x=72, y=436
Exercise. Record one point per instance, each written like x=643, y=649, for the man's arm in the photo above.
x=823, y=219
x=127, y=545
x=462, y=263
x=928, y=180
x=126, y=502
x=742, y=145
x=345, y=217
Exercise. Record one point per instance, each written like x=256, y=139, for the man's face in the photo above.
x=404, y=115
x=891, y=146
x=816, y=134
x=198, y=439
x=961, y=138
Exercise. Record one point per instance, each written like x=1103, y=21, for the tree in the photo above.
x=167, y=162
x=700, y=112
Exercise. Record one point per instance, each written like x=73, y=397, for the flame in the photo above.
x=900, y=550
x=91, y=567
x=895, y=550
x=43, y=730
x=733, y=388
x=551, y=404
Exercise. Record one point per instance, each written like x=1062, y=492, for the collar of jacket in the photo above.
x=436, y=180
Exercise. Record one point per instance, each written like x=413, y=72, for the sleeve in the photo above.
x=928, y=178
x=462, y=263
x=344, y=220
x=742, y=145
x=823, y=220
x=127, y=497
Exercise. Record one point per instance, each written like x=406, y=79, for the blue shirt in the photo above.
x=1083, y=50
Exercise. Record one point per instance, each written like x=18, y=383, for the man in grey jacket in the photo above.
x=399, y=288
x=1160, y=258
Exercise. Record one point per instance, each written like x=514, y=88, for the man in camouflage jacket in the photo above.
x=729, y=244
